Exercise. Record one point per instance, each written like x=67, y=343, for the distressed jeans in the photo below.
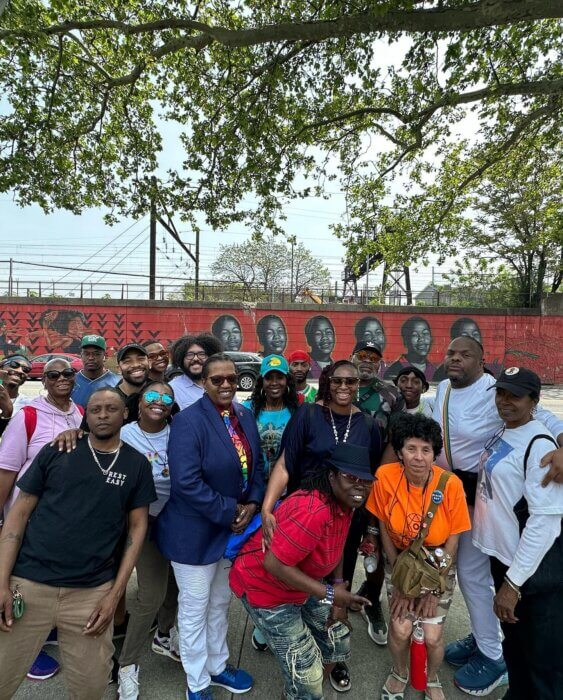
x=298, y=639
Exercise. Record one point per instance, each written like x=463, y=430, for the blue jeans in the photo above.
x=297, y=637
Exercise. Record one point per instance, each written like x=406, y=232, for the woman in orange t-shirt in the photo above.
x=400, y=499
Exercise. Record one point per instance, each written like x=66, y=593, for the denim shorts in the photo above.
x=297, y=636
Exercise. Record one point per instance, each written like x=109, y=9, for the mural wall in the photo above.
x=327, y=334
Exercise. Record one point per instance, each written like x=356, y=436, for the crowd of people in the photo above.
x=273, y=499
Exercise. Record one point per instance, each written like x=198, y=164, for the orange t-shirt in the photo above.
x=400, y=506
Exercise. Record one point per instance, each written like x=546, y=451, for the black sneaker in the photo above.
x=113, y=676
x=119, y=631
x=377, y=627
x=257, y=643
x=340, y=678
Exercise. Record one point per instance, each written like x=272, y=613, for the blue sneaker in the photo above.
x=205, y=694
x=480, y=675
x=43, y=667
x=52, y=639
x=458, y=653
x=235, y=680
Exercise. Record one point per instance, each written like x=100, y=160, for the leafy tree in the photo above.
x=262, y=266
x=481, y=284
x=266, y=92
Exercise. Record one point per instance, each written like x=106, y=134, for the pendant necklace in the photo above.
x=68, y=415
x=105, y=472
x=164, y=459
x=336, y=438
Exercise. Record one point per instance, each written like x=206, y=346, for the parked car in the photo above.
x=248, y=368
x=39, y=362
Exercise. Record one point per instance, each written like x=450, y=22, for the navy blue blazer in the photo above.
x=206, y=483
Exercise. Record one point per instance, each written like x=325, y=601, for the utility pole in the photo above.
x=196, y=261
x=11, y=278
x=152, y=243
x=292, y=240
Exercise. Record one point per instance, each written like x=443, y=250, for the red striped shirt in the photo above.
x=310, y=534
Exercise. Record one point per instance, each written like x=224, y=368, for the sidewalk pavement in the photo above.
x=163, y=679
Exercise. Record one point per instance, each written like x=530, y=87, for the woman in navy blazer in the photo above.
x=217, y=484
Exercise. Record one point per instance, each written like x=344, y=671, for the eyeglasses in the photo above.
x=218, y=379
x=356, y=479
x=368, y=355
x=14, y=364
x=153, y=396
x=159, y=355
x=200, y=355
x=56, y=374
x=341, y=381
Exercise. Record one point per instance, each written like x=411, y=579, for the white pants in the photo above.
x=476, y=584
x=203, y=604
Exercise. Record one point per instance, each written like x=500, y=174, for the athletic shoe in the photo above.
x=235, y=680
x=480, y=675
x=52, y=639
x=167, y=645
x=340, y=678
x=205, y=694
x=377, y=627
x=44, y=667
x=458, y=653
x=119, y=631
x=258, y=642
x=128, y=683
x=504, y=679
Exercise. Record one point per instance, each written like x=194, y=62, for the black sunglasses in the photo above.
x=349, y=381
x=14, y=364
x=56, y=374
x=218, y=379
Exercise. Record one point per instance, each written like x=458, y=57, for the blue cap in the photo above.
x=274, y=363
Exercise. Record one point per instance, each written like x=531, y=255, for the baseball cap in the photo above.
x=274, y=363
x=520, y=381
x=417, y=373
x=299, y=356
x=95, y=340
x=367, y=345
x=351, y=459
x=130, y=346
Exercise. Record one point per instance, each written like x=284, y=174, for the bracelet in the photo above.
x=372, y=530
x=337, y=580
x=329, y=595
x=514, y=587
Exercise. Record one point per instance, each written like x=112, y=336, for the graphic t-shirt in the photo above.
x=501, y=485
x=402, y=506
x=155, y=448
x=309, y=394
x=84, y=387
x=271, y=425
x=73, y=536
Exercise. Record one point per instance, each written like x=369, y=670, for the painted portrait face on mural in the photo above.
x=370, y=330
x=272, y=334
x=466, y=326
x=321, y=338
x=226, y=328
x=417, y=338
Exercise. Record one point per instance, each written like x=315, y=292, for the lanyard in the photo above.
x=446, y=427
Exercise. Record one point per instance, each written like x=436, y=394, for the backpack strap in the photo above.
x=529, y=448
x=416, y=545
x=30, y=419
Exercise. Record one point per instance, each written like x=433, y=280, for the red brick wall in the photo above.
x=518, y=338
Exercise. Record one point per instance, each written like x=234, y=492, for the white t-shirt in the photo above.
x=473, y=420
x=155, y=447
x=425, y=406
x=501, y=485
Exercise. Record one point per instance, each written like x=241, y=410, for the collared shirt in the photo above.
x=309, y=393
x=186, y=391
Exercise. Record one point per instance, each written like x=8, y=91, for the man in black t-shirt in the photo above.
x=68, y=547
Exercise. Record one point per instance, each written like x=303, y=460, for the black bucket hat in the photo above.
x=351, y=459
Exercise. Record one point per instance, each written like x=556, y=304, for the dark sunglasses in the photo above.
x=356, y=479
x=153, y=396
x=367, y=355
x=218, y=379
x=14, y=364
x=55, y=374
x=348, y=381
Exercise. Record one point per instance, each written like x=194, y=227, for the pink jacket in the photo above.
x=16, y=454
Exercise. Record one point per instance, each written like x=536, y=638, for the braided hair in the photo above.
x=319, y=480
x=290, y=397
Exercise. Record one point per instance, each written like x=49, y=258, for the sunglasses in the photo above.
x=55, y=374
x=14, y=364
x=356, y=479
x=200, y=355
x=364, y=355
x=340, y=381
x=218, y=379
x=153, y=396
x=158, y=355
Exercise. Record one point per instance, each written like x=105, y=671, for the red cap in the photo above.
x=299, y=356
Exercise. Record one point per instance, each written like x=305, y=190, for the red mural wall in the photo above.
x=326, y=332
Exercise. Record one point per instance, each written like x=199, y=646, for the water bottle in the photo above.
x=370, y=563
x=419, y=676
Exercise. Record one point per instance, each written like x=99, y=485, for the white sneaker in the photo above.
x=128, y=682
x=175, y=642
x=167, y=646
